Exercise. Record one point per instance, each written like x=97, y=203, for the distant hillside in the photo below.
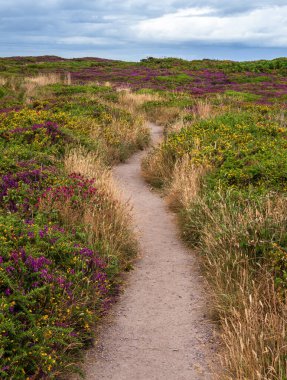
x=264, y=80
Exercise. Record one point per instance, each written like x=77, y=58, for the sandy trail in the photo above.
x=159, y=328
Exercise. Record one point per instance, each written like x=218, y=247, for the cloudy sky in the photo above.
x=134, y=29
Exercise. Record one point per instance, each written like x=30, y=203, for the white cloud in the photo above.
x=263, y=27
x=194, y=12
x=145, y=27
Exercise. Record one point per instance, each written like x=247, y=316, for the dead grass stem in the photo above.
x=105, y=219
x=108, y=222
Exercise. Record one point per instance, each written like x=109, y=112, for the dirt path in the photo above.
x=159, y=328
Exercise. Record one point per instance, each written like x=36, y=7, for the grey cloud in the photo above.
x=31, y=27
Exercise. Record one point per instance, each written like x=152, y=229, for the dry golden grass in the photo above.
x=254, y=332
x=281, y=118
x=44, y=79
x=68, y=79
x=164, y=116
x=176, y=126
x=3, y=81
x=174, y=121
x=203, y=110
x=105, y=219
x=157, y=168
x=120, y=137
x=132, y=101
x=123, y=139
x=108, y=220
x=32, y=84
x=252, y=313
x=185, y=184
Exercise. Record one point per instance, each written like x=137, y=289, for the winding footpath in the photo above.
x=159, y=329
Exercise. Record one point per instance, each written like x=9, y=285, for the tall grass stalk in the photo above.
x=108, y=222
x=253, y=314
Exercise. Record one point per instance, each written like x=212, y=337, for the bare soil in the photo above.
x=160, y=327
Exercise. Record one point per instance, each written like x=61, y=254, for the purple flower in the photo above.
x=87, y=252
x=12, y=309
x=61, y=281
x=10, y=269
x=37, y=263
x=12, y=181
x=15, y=256
x=7, y=292
x=49, y=128
x=31, y=235
x=44, y=232
x=45, y=275
x=23, y=254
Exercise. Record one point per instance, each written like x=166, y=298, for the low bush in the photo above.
x=65, y=236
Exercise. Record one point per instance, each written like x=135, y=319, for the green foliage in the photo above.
x=176, y=79
x=3, y=92
x=243, y=149
x=55, y=283
x=42, y=284
x=245, y=96
x=252, y=79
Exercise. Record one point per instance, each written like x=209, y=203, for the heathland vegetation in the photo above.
x=65, y=236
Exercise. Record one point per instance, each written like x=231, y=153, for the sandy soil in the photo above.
x=159, y=329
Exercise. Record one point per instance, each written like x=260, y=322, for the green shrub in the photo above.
x=243, y=149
